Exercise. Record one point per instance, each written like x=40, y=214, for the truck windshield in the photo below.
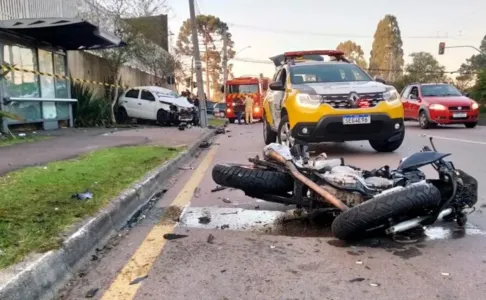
x=439, y=90
x=243, y=88
x=327, y=73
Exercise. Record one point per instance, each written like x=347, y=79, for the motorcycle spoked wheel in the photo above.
x=358, y=221
x=251, y=179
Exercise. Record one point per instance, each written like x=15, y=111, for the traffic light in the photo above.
x=441, y=48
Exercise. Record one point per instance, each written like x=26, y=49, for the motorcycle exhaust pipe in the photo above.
x=410, y=224
x=306, y=181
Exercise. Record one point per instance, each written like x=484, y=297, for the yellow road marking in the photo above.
x=143, y=259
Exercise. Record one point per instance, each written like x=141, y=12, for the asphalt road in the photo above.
x=240, y=252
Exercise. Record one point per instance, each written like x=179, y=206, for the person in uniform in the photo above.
x=248, y=109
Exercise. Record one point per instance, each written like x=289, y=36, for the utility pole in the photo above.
x=197, y=63
x=225, y=63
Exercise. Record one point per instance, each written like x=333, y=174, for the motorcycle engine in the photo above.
x=342, y=176
x=345, y=177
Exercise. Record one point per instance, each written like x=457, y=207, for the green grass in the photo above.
x=9, y=141
x=216, y=122
x=36, y=204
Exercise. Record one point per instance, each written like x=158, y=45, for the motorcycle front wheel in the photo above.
x=358, y=221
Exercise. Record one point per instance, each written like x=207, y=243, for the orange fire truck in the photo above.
x=236, y=91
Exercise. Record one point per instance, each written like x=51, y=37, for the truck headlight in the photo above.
x=391, y=94
x=309, y=100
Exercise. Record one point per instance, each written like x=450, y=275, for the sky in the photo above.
x=272, y=27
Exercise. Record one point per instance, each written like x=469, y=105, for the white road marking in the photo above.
x=456, y=140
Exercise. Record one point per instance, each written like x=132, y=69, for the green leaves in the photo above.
x=354, y=52
x=387, y=54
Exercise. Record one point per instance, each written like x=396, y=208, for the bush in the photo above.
x=89, y=111
x=478, y=91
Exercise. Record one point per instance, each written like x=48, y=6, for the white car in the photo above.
x=156, y=104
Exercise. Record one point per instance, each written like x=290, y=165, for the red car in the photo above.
x=438, y=103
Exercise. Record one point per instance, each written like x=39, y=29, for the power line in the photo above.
x=323, y=34
x=259, y=61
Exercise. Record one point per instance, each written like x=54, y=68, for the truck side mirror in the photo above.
x=380, y=80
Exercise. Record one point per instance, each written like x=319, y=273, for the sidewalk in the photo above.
x=68, y=143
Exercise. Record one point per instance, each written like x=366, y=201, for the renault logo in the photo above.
x=353, y=99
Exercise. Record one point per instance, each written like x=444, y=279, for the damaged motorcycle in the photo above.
x=363, y=202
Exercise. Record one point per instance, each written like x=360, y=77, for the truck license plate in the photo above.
x=356, y=119
x=459, y=115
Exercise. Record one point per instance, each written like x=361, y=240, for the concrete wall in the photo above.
x=84, y=65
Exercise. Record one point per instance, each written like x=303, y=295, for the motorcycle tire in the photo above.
x=251, y=180
x=358, y=221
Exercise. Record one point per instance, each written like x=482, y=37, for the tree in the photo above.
x=113, y=16
x=473, y=65
x=210, y=31
x=386, y=53
x=354, y=52
x=424, y=68
x=478, y=92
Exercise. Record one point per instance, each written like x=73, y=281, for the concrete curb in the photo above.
x=44, y=277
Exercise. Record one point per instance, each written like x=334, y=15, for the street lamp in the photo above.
x=241, y=50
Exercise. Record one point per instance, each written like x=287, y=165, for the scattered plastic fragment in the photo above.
x=359, y=262
x=137, y=280
x=210, y=239
x=226, y=200
x=374, y=284
x=173, y=236
x=359, y=279
x=218, y=188
x=204, y=220
x=91, y=293
x=445, y=274
x=83, y=196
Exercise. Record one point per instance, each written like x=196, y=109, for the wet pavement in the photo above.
x=230, y=246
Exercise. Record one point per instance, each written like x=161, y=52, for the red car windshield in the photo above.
x=439, y=90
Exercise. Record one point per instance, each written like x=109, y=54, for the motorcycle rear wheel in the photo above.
x=252, y=180
x=358, y=221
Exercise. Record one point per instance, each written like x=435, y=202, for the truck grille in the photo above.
x=342, y=100
x=457, y=108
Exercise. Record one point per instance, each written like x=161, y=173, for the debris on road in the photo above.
x=204, y=220
x=272, y=247
x=91, y=293
x=445, y=274
x=139, y=279
x=359, y=279
x=186, y=168
x=171, y=215
x=375, y=284
x=83, y=196
x=218, y=188
x=226, y=200
x=197, y=192
x=220, y=130
x=210, y=238
x=173, y=236
x=205, y=145
x=359, y=262
x=225, y=226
